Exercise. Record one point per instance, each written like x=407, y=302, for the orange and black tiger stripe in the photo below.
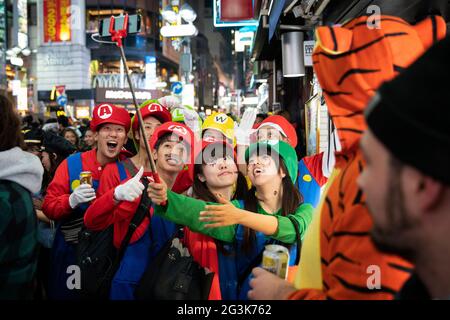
x=352, y=61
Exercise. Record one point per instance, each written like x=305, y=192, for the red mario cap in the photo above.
x=109, y=113
x=283, y=125
x=151, y=108
x=177, y=128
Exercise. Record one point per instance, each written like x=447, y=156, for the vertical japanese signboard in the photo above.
x=57, y=21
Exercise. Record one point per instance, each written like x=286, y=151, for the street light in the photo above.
x=169, y=15
x=16, y=50
x=184, y=30
x=13, y=55
x=187, y=13
x=26, y=52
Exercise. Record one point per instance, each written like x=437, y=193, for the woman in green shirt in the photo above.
x=250, y=224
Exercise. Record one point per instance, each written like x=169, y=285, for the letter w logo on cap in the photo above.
x=178, y=129
x=104, y=111
x=221, y=118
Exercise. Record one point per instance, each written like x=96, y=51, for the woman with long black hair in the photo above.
x=215, y=172
x=246, y=225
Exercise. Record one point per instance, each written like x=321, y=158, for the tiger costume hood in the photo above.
x=352, y=61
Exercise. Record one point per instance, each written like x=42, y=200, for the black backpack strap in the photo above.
x=298, y=238
x=128, y=164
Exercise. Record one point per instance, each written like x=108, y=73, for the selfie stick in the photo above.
x=117, y=36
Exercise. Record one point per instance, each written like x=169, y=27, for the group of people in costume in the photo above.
x=238, y=187
x=200, y=168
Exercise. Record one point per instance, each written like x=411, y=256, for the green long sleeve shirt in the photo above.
x=186, y=211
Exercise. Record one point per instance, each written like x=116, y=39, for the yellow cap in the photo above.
x=220, y=122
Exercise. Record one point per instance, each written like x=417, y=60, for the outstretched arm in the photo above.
x=227, y=214
x=276, y=226
x=185, y=211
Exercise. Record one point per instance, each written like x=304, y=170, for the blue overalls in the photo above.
x=63, y=254
x=235, y=262
x=307, y=185
x=138, y=256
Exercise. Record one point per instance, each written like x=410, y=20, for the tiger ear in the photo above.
x=334, y=40
x=431, y=30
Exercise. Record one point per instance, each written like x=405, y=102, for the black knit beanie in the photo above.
x=410, y=115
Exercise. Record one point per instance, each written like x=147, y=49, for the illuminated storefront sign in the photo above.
x=82, y=112
x=57, y=21
x=234, y=13
x=244, y=37
x=123, y=96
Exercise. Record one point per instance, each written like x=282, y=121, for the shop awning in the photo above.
x=266, y=45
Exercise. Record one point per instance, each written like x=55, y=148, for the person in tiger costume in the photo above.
x=339, y=260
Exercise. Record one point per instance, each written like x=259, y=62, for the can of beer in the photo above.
x=276, y=259
x=86, y=177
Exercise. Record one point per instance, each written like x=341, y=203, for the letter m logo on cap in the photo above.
x=179, y=129
x=154, y=107
x=104, y=111
x=221, y=118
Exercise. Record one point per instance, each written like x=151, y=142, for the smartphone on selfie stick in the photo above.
x=118, y=28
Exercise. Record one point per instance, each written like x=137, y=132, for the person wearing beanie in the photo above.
x=264, y=216
x=67, y=198
x=311, y=176
x=120, y=191
x=351, y=62
x=407, y=189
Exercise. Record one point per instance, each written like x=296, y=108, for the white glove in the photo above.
x=130, y=190
x=82, y=194
x=243, y=131
x=192, y=120
x=170, y=102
